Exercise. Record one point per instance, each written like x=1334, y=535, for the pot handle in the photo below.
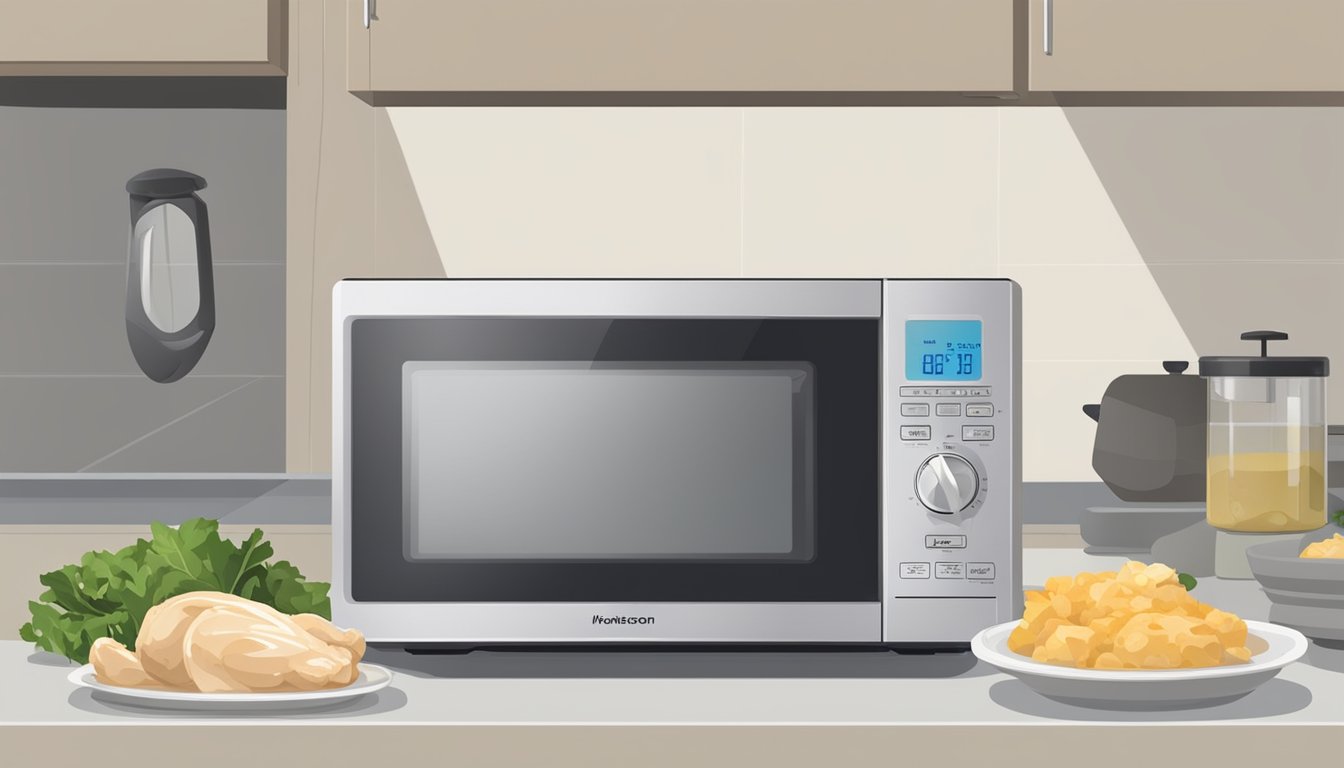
x=1093, y=410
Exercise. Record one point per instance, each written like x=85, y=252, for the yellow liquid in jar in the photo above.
x=1272, y=492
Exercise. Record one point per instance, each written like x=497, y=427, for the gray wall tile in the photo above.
x=64, y=424
x=70, y=390
x=249, y=321
x=69, y=319
x=64, y=171
x=242, y=431
x=63, y=319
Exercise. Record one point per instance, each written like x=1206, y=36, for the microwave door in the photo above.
x=614, y=461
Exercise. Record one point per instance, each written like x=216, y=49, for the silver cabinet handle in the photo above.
x=1049, y=35
x=368, y=12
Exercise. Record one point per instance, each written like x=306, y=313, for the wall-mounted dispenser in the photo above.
x=170, y=288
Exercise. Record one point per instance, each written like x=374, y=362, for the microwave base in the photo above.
x=908, y=623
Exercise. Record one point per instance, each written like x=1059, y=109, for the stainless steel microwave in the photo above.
x=676, y=461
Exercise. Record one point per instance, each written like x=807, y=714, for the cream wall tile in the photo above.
x=1096, y=312
x=869, y=192
x=403, y=245
x=1215, y=303
x=1057, y=436
x=1221, y=183
x=578, y=192
x=1053, y=207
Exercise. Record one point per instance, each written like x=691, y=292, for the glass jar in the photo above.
x=1266, y=441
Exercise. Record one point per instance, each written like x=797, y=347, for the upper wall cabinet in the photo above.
x=1187, y=45
x=143, y=37
x=448, y=51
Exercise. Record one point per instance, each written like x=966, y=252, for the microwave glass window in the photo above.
x=942, y=350
x=560, y=460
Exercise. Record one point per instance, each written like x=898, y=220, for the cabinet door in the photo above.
x=143, y=37
x=697, y=46
x=1187, y=45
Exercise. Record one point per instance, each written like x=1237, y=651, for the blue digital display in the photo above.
x=942, y=350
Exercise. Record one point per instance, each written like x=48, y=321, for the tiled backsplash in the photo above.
x=1138, y=234
x=71, y=396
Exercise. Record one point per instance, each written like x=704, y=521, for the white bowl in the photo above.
x=1272, y=648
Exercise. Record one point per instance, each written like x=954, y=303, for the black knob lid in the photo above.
x=1175, y=366
x=164, y=182
x=1264, y=365
x=1264, y=337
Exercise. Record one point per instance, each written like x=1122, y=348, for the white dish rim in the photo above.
x=371, y=678
x=1286, y=645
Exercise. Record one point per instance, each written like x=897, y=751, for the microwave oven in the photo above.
x=676, y=461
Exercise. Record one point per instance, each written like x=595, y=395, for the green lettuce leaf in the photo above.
x=108, y=593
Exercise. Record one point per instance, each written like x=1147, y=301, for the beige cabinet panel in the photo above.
x=142, y=37
x=613, y=46
x=1187, y=45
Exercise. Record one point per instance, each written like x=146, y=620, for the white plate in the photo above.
x=371, y=678
x=1272, y=647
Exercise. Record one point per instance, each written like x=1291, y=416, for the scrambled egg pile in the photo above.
x=1331, y=547
x=1139, y=617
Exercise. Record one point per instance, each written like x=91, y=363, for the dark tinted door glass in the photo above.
x=596, y=460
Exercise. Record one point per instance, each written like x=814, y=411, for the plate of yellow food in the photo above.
x=1135, y=638
x=216, y=651
x=1304, y=581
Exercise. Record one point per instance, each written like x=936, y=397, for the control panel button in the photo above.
x=980, y=571
x=950, y=392
x=980, y=392
x=918, y=392
x=945, y=542
x=914, y=570
x=949, y=570
x=911, y=432
x=946, y=483
x=977, y=433
x=914, y=409
x=949, y=409
x=979, y=410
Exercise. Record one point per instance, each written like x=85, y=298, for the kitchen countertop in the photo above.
x=483, y=691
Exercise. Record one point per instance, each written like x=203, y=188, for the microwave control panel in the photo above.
x=951, y=458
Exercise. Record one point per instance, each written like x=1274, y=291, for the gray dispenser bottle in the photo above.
x=170, y=288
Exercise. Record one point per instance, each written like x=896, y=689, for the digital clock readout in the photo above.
x=942, y=350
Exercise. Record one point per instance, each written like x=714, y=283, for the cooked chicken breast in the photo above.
x=350, y=639
x=159, y=644
x=213, y=642
x=114, y=665
x=228, y=649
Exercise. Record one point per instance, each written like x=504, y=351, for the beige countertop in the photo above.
x=482, y=697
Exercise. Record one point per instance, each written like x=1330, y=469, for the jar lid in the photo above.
x=1264, y=365
x=164, y=182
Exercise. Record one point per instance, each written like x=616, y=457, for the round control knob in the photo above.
x=946, y=483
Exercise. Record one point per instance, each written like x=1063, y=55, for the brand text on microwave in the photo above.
x=622, y=619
